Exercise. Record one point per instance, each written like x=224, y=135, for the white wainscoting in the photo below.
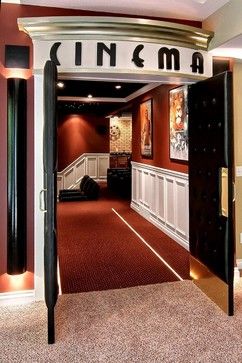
x=161, y=196
x=94, y=165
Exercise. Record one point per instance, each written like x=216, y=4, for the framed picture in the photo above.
x=146, y=124
x=178, y=123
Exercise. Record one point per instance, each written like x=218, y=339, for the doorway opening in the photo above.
x=87, y=260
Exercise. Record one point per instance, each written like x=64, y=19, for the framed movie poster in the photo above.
x=146, y=128
x=178, y=123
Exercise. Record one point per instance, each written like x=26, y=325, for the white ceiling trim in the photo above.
x=141, y=91
x=91, y=100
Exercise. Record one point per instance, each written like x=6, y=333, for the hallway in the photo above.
x=104, y=244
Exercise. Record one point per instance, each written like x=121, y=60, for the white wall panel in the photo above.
x=92, y=166
x=182, y=214
x=170, y=205
x=139, y=182
x=59, y=183
x=153, y=194
x=103, y=165
x=161, y=196
x=69, y=178
x=80, y=170
x=133, y=186
x=146, y=189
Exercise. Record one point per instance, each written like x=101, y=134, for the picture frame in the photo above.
x=178, y=118
x=146, y=129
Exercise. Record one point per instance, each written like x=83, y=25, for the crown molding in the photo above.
x=115, y=28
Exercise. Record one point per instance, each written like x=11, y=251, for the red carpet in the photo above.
x=97, y=251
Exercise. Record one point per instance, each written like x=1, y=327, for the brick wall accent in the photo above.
x=120, y=134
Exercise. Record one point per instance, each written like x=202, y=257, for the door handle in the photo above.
x=223, y=188
x=42, y=200
x=234, y=192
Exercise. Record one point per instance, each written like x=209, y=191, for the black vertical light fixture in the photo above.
x=17, y=165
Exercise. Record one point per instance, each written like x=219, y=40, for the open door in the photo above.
x=211, y=188
x=50, y=166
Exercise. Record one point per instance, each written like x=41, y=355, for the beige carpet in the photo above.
x=170, y=322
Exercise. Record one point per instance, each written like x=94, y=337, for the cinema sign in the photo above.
x=120, y=56
x=119, y=45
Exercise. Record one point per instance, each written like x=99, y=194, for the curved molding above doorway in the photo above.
x=117, y=28
x=120, y=46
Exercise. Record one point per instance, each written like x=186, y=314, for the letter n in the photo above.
x=101, y=47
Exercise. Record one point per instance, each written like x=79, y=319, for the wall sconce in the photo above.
x=17, y=189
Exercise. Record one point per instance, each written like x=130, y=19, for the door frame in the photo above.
x=39, y=170
x=152, y=36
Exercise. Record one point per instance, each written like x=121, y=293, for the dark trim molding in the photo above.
x=17, y=189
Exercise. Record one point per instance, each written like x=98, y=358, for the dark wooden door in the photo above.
x=50, y=167
x=211, y=230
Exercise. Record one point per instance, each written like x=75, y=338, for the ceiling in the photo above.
x=101, y=109
x=81, y=89
x=181, y=9
x=106, y=98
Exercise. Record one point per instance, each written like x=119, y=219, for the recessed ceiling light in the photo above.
x=89, y=96
x=118, y=86
x=60, y=84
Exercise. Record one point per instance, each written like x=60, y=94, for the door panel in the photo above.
x=210, y=188
x=50, y=168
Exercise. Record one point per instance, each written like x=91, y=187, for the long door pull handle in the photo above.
x=223, y=186
x=234, y=192
x=42, y=200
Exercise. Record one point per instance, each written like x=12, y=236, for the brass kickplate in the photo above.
x=215, y=288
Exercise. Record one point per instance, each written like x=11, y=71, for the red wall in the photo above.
x=78, y=134
x=161, y=157
x=9, y=34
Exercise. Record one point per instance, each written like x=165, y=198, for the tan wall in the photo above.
x=123, y=142
x=237, y=81
x=225, y=23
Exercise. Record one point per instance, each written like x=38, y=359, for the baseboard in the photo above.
x=156, y=223
x=17, y=297
x=239, y=263
x=182, y=242
x=236, y=274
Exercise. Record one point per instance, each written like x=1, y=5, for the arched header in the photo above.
x=119, y=45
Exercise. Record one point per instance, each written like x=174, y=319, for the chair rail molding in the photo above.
x=161, y=196
x=93, y=164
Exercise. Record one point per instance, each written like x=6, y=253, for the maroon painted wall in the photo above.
x=79, y=134
x=160, y=157
x=9, y=34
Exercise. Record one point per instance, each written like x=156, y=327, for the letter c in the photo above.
x=136, y=58
x=53, y=53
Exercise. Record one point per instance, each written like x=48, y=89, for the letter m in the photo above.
x=169, y=54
